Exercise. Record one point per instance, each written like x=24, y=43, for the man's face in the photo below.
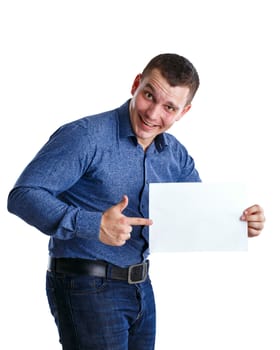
x=155, y=106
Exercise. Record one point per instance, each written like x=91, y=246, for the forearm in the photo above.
x=43, y=210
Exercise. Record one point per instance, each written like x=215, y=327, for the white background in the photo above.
x=62, y=60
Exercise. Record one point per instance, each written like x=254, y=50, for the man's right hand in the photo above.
x=115, y=228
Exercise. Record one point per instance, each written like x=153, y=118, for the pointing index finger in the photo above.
x=139, y=221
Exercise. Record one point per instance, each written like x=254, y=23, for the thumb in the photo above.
x=123, y=203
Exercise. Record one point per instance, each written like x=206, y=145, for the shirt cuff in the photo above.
x=88, y=224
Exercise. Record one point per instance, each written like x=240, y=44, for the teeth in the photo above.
x=151, y=125
x=146, y=123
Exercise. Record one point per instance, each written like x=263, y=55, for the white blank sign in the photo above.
x=197, y=217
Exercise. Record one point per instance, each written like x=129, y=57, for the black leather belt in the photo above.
x=132, y=274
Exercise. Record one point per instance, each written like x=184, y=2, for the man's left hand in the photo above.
x=254, y=215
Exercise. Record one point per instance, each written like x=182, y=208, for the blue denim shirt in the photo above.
x=85, y=168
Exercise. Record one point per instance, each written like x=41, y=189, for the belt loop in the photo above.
x=108, y=271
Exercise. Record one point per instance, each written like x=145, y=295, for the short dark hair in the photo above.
x=176, y=69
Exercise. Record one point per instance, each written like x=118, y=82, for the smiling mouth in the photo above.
x=151, y=126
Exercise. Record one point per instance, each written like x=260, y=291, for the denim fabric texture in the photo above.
x=98, y=314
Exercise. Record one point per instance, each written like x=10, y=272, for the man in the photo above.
x=88, y=189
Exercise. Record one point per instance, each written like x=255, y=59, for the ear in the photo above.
x=184, y=111
x=136, y=83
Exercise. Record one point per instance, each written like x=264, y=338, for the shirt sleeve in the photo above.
x=57, y=167
x=189, y=172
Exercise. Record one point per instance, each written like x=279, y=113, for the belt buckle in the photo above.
x=141, y=272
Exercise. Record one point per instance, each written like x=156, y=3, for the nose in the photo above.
x=153, y=112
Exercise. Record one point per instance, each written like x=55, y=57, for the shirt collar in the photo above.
x=125, y=128
x=161, y=142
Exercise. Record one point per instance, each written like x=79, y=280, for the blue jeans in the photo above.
x=93, y=313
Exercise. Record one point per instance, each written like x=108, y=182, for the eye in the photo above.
x=148, y=95
x=170, y=108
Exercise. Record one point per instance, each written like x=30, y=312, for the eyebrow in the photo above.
x=169, y=103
